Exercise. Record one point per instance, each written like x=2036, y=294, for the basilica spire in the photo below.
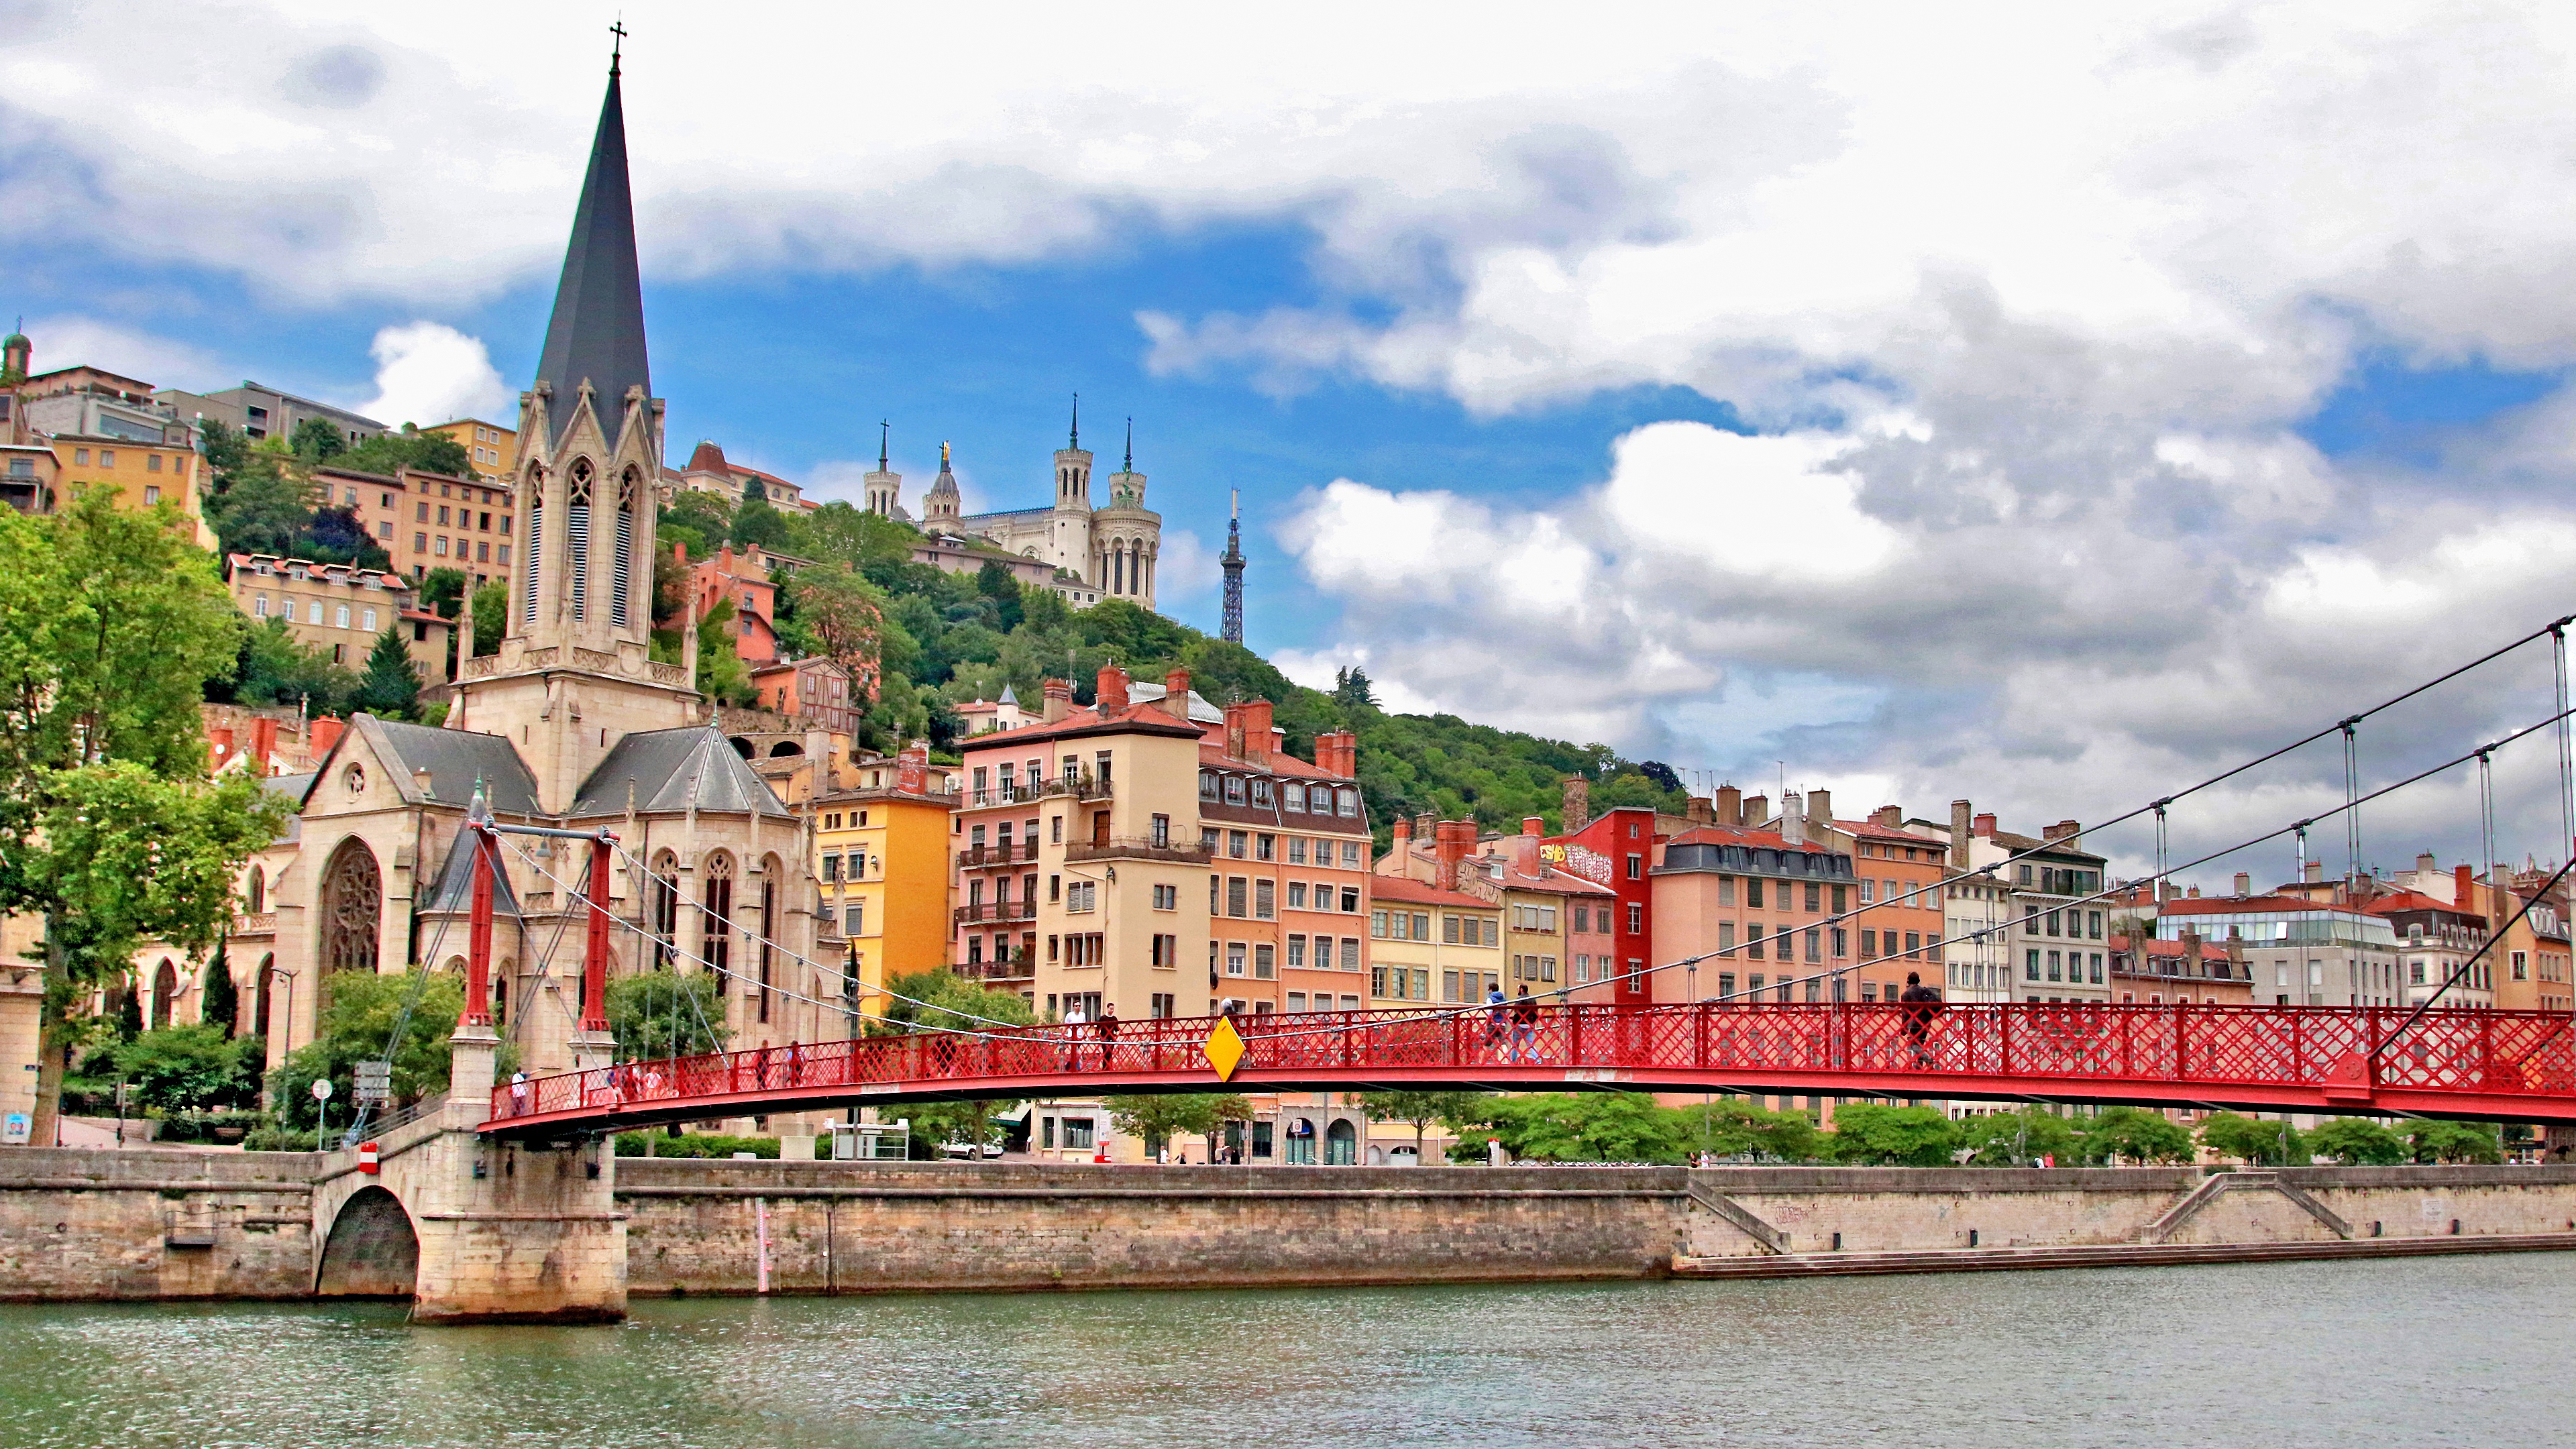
x=597, y=332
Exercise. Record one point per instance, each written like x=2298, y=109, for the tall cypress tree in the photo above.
x=223, y=1001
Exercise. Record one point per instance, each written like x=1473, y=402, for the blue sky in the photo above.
x=1782, y=393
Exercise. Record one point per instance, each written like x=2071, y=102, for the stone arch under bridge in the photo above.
x=371, y=1251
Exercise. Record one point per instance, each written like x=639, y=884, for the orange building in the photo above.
x=1898, y=901
x=743, y=579
x=1763, y=907
x=494, y=448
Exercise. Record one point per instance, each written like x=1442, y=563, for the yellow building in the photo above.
x=145, y=475
x=1429, y=946
x=882, y=863
x=339, y=608
x=494, y=448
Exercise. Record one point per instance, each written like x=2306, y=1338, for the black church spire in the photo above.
x=597, y=331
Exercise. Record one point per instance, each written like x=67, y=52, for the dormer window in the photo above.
x=1207, y=784
x=1293, y=796
x=1234, y=789
x=1261, y=793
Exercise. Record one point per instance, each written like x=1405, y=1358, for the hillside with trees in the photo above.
x=944, y=639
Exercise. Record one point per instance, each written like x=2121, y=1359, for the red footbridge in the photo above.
x=2482, y=1065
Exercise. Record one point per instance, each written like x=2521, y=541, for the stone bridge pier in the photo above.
x=474, y=1231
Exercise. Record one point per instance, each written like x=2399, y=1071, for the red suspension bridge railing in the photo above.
x=2495, y=1065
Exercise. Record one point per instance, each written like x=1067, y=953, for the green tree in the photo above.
x=2432, y=1141
x=1419, y=1110
x=225, y=451
x=1159, y=1117
x=2357, y=1142
x=271, y=667
x=1585, y=1127
x=757, y=522
x=191, y=1068
x=941, y=1000
x=390, y=688
x=359, y=1010
x=665, y=1013
x=317, y=440
x=2255, y=1143
x=846, y=617
x=410, y=448
x=222, y=1005
x=2018, y=1138
x=2136, y=1136
x=1351, y=689
x=265, y=505
x=1894, y=1136
x=1729, y=1127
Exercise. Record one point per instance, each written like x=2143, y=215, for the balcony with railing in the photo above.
x=255, y=923
x=982, y=911
x=1079, y=787
x=1018, y=852
x=1139, y=848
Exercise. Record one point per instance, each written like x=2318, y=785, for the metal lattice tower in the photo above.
x=1233, y=562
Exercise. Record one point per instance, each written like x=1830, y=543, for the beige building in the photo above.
x=1447, y=943
x=428, y=521
x=339, y=609
x=494, y=448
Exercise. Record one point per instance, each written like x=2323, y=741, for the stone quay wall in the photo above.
x=697, y=1226
x=155, y=1223
x=166, y=1223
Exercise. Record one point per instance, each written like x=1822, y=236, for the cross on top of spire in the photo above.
x=885, y=433
x=1131, y=445
x=616, y=47
x=1074, y=439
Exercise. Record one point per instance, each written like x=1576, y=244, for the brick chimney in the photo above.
x=2062, y=830
x=1577, y=811
x=2464, y=890
x=263, y=746
x=2244, y=885
x=912, y=767
x=1757, y=810
x=1454, y=840
x=222, y=742
x=1425, y=827
x=1337, y=753
x=1176, y=694
x=1255, y=716
x=1890, y=816
x=1059, y=699
x=1984, y=826
x=1524, y=846
x=1729, y=806
x=324, y=733
x=1402, y=846
x=1110, y=693
x=1819, y=813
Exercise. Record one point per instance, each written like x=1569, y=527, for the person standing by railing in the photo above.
x=1108, y=1033
x=1922, y=1004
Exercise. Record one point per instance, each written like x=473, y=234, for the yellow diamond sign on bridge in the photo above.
x=1225, y=1049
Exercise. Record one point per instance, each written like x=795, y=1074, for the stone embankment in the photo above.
x=149, y=1224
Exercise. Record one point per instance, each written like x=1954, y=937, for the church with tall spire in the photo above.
x=1113, y=547
x=574, y=723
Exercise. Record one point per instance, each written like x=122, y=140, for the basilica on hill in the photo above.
x=571, y=724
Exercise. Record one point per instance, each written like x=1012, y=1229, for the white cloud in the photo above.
x=1184, y=568
x=428, y=372
x=74, y=340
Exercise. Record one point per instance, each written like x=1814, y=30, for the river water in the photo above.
x=2467, y=1350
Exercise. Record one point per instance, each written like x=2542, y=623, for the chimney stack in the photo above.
x=1401, y=847
x=1819, y=814
x=2425, y=864
x=1059, y=699
x=1888, y=816
x=1961, y=831
x=1109, y=695
x=2062, y=830
x=1757, y=810
x=1577, y=812
x=1524, y=846
x=1793, y=817
x=1730, y=805
x=912, y=766
x=1455, y=838
x=1696, y=810
x=263, y=747
x=1983, y=825
x=222, y=741
x=1176, y=694
x=2244, y=885
x=323, y=734
x=1426, y=827
x=2464, y=889
x=2316, y=872
x=1337, y=753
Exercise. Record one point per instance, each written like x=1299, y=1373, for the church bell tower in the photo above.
x=575, y=670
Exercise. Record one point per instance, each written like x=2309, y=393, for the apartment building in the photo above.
x=144, y=475
x=1900, y=881
x=494, y=448
x=2439, y=945
x=428, y=520
x=1976, y=943
x=881, y=860
x=2302, y=951
x=2055, y=939
x=1613, y=850
x=1097, y=849
x=264, y=412
x=2148, y=971
x=1289, y=884
x=338, y=609
x=1765, y=909
x=1432, y=943
x=1545, y=950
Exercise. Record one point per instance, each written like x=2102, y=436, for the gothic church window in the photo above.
x=352, y=905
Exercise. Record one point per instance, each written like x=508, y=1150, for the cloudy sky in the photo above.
x=2049, y=410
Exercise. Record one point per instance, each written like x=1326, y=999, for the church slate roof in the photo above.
x=597, y=331
x=668, y=770
x=455, y=759
x=455, y=888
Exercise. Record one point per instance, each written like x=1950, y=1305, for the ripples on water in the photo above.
x=2413, y=1352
